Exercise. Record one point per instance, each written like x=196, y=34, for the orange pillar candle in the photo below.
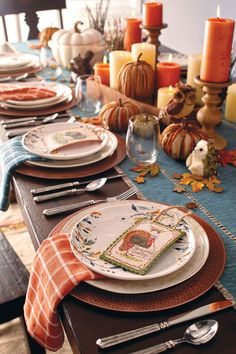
x=168, y=73
x=217, y=50
x=103, y=70
x=152, y=14
x=133, y=32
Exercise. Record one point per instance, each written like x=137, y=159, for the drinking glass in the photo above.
x=142, y=139
x=88, y=93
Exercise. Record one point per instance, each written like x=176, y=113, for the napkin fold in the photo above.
x=25, y=93
x=55, y=272
x=12, y=154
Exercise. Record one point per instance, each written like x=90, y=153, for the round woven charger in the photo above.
x=163, y=299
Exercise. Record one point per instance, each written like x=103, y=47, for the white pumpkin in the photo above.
x=66, y=44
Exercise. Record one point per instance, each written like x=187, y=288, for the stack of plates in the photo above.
x=91, y=235
x=11, y=63
x=63, y=94
x=73, y=155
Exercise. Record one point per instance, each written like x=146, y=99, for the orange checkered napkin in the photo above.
x=55, y=272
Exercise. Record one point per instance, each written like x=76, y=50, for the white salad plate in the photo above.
x=103, y=224
x=108, y=150
x=35, y=140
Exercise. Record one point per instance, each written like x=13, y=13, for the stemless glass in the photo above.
x=88, y=93
x=142, y=139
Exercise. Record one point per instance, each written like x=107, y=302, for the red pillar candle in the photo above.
x=152, y=14
x=217, y=47
x=132, y=32
x=168, y=73
x=103, y=70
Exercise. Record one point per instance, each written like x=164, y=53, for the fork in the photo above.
x=72, y=207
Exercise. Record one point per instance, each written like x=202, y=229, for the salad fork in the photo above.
x=75, y=206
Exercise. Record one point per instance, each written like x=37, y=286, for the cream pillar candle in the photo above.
x=117, y=59
x=148, y=53
x=194, y=67
x=164, y=95
x=230, y=103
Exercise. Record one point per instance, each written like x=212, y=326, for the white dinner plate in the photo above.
x=103, y=224
x=14, y=60
x=108, y=150
x=59, y=89
x=34, y=141
x=33, y=61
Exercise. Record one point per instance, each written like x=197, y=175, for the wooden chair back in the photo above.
x=29, y=7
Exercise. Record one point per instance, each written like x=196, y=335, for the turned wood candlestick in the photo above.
x=153, y=33
x=209, y=116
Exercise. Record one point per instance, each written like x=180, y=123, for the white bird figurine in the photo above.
x=195, y=161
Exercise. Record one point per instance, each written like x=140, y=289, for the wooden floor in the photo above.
x=11, y=334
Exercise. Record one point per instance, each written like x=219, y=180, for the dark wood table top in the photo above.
x=85, y=323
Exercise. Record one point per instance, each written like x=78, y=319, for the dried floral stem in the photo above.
x=98, y=19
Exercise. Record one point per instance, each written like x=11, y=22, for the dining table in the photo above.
x=89, y=313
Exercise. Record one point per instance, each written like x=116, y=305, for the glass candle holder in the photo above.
x=88, y=93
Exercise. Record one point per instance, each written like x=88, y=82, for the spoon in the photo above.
x=92, y=186
x=27, y=123
x=198, y=333
x=15, y=78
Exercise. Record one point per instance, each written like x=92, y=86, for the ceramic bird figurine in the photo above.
x=181, y=105
x=203, y=161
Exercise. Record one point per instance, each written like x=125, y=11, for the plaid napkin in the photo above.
x=12, y=154
x=55, y=272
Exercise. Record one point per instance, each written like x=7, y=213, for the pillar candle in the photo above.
x=117, y=59
x=152, y=14
x=194, y=67
x=230, y=103
x=168, y=73
x=133, y=33
x=217, y=50
x=103, y=70
x=148, y=53
x=164, y=95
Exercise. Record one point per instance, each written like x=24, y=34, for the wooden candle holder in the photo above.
x=209, y=116
x=153, y=33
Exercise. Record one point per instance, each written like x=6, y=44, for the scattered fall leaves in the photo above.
x=178, y=189
x=153, y=170
x=197, y=183
x=227, y=157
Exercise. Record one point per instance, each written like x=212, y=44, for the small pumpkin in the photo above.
x=115, y=115
x=136, y=79
x=46, y=35
x=179, y=139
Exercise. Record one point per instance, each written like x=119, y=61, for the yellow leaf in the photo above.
x=186, y=175
x=139, y=179
x=187, y=180
x=197, y=186
x=218, y=189
x=154, y=170
x=209, y=185
x=214, y=180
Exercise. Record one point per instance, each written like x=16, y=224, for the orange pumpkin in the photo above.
x=179, y=140
x=46, y=34
x=136, y=79
x=115, y=115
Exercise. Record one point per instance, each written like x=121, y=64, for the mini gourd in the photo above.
x=136, y=79
x=115, y=115
x=178, y=140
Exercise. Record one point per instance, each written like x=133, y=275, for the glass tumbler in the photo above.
x=88, y=93
x=142, y=139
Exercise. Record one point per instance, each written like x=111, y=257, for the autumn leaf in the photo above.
x=209, y=184
x=214, y=180
x=197, y=186
x=218, y=189
x=154, y=170
x=227, y=157
x=177, y=175
x=139, y=179
x=138, y=169
x=187, y=180
x=178, y=189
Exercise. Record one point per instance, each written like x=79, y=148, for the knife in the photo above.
x=107, y=342
x=68, y=184
x=27, y=119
